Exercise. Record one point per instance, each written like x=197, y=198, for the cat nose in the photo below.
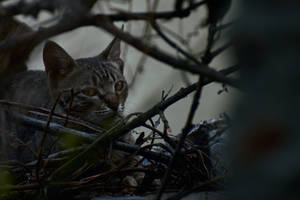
x=112, y=101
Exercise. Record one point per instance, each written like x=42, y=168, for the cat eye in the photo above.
x=90, y=91
x=119, y=86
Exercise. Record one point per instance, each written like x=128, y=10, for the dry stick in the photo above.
x=173, y=44
x=210, y=42
x=19, y=187
x=108, y=173
x=194, y=107
x=221, y=49
x=163, y=118
x=153, y=132
x=15, y=163
x=163, y=146
x=28, y=107
x=36, y=6
x=224, y=26
x=117, y=132
x=44, y=138
x=178, y=4
x=88, y=138
x=81, y=123
x=32, y=8
x=170, y=141
x=26, y=146
x=45, y=112
x=167, y=127
x=162, y=114
x=178, y=36
x=123, y=16
x=143, y=149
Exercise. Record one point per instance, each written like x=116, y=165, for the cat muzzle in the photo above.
x=112, y=101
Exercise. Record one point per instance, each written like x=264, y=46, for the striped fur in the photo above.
x=92, y=89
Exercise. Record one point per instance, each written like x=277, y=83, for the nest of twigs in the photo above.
x=62, y=175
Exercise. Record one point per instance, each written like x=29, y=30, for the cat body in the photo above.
x=28, y=88
x=90, y=89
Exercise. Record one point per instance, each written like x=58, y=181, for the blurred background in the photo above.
x=264, y=140
x=152, y=77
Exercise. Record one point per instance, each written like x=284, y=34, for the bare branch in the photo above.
x=104, y=23
x=59, y=130
x=42, y=112
x=173, y=44
x=27, y=8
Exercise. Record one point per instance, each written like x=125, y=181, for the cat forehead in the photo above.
x=90, y=63
x=102, y=68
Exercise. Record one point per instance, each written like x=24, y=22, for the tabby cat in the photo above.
x=91, y=89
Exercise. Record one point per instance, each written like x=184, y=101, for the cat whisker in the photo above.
x=101, y=111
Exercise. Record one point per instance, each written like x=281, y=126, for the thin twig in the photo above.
x=173, y=44
x=224, y=26
x=165, y=137
x=109, y=173
x=218, y=51
x=27, y=147
x=39, y=160
x=45, y=112
x=28, y=8
x=57, y=129
x=33, y=186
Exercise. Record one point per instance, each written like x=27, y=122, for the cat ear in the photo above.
x=113, y=50
x=58, y=63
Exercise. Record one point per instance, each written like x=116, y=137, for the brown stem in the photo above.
x=39, y=160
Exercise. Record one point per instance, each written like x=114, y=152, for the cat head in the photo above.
x=94, y=88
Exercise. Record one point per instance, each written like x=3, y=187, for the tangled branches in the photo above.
x=167, y=163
